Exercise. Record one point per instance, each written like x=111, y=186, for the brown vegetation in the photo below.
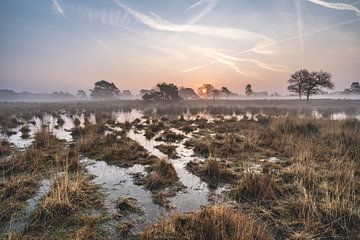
x=216, y=223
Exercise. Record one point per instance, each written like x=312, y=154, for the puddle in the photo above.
x=118, y=182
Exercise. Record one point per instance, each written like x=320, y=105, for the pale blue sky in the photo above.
x=49, y=45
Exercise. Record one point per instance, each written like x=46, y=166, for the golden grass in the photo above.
x=68, y=194
x=216, y=223
x=255, y=187
x=162, y=174
x=211, y=171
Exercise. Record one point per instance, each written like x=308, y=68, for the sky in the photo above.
x=52, y=45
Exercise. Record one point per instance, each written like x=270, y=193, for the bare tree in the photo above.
x=316, y=82
x=308, y=83
x=297, y=81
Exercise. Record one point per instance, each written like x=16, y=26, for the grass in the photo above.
x=255, y=187
x=5, y=148
x=169, y=136
x=68, y=209
x=127, y=205
x=211, y=171
x=13, y=194
x=167, y=149
x=67, y=195
x=114, y=148
x=45, y=153
x=313, y=193
x=216, y=223
x=161, y=175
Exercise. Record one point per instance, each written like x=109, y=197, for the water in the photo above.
x=19, y=223
x=119, y=182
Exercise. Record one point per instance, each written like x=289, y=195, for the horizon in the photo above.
x=62, y=45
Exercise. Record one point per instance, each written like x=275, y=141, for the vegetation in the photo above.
x=248, y=90
x=165, y=92
x=285, y=176
x=308, y=83
x=104, y=90
x=217, y=223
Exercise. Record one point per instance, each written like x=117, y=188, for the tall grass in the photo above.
x=217, y=223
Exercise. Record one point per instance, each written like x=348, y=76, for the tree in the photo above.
x=305, y=83
x=215, y=93
x=248, y=90
x=316, y=82
x=151, y=95
x=297, y=81
x=225, y=91
x=205, y=90
x=81, y=94
x=169, y=92
x=166, y=92
x=187, y=93
x=104, y=89
x=126, y=93
x=355, y=87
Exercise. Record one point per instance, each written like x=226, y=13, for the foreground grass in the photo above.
x=216, y=223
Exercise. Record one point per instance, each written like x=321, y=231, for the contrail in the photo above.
x=158, y=23
x=299, y=23
x=300, y=36
x=57, y=7
x=337, y=6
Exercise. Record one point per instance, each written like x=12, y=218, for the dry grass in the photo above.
x=5, y=148
x=127, y=205
x=211, y=171
x=255, y=187
x=216, y=223
x=68, y=194
x=14, y=192
x=114, y=148
x=161, y=175
x=169, y=150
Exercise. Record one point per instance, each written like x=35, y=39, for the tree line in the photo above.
x=303, y=83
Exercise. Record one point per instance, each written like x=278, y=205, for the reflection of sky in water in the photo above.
x=118, y=181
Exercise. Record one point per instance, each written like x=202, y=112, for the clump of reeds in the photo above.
x=169, y=150
x=44, y=139
x=114, y=148
x=162, y=174
x=298, y=127
x=5, y=148
x=217, y=223
x=169, y=136
x=211, y=171
x=68, y=194
x=14, y=192
x=127, y=204
x=255, y=187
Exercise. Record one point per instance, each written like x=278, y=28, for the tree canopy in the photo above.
x=248, y=90
x=104, y=89
x=205, y=90
x=165, y=92
x=308, y=83
x=187, y=93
